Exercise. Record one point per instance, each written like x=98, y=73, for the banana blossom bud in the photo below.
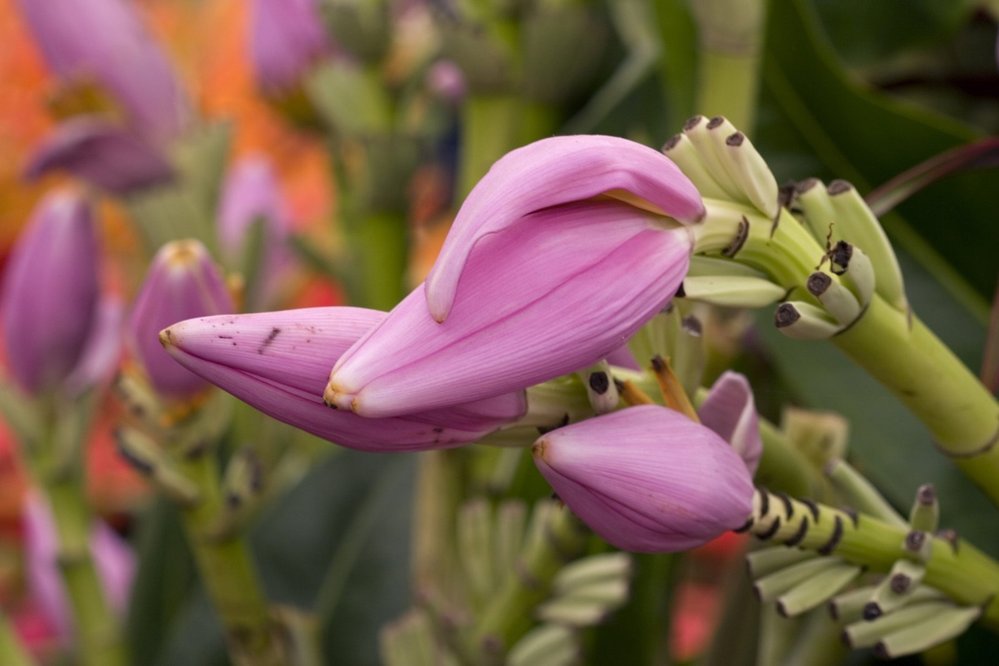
x=182, y=282
x=50, y=293
x=647, y=478
x=562, y=251
x=277, y=362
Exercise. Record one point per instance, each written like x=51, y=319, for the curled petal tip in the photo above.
x=336, y=398
x=438, y=302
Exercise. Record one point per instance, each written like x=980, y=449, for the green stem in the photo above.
x=12, y=652
x=56, y=470
x=934, y=384
x=491, y=126
x=731, y=40
x=378, y=249
x=509, y=615
x=957, y=568
x=227, y=570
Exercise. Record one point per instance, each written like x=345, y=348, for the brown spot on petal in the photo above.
x=268, y=340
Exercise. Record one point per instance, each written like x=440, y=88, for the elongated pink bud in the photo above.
x=182, y=282
x=647, y=479
x=278, y=361
x=548, y=296
x=49, y=295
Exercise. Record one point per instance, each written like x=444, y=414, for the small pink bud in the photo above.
x=647, y=479
x=183, y=282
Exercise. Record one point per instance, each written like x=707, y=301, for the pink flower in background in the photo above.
x=251, y=196
x=287, y=37
x=133, y=104
x=278, y=363
x=182, y=282
x=113, y=558
x=560, y=253
x=50, y=294
x=104, y=43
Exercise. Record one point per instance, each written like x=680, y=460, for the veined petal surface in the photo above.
x=539, y=299
x=553, y=172
x=277, y=362
x=647, y=478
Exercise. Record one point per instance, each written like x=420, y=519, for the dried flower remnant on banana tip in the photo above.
x=278, y=363
x=559, y=254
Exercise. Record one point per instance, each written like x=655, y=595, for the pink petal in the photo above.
x=552, y=172
x=730, y=412
x=539, y=299
x=277, y=362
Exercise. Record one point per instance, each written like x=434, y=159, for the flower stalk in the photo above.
x=227, y=570
x=957, y=568
x=55, y=466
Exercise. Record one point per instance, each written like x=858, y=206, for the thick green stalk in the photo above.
x=378, y=250
x=956, y=568
x=491, y=126
x=56, y=471
x=227, y=570
x=730, y=44
x=924, y=374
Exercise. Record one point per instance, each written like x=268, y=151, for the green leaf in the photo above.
x=815, y=109
x=163, y=582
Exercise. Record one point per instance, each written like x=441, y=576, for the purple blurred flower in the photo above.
x=446, y=80
x=287, y=38
x=647, y=479
x=50, y=293
x=183, y=282
x=278, y=363
x=730, y=412
x=113, y=558
x=104, y=42
x=102, y=153
x=562, y=251
x=251, y=195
